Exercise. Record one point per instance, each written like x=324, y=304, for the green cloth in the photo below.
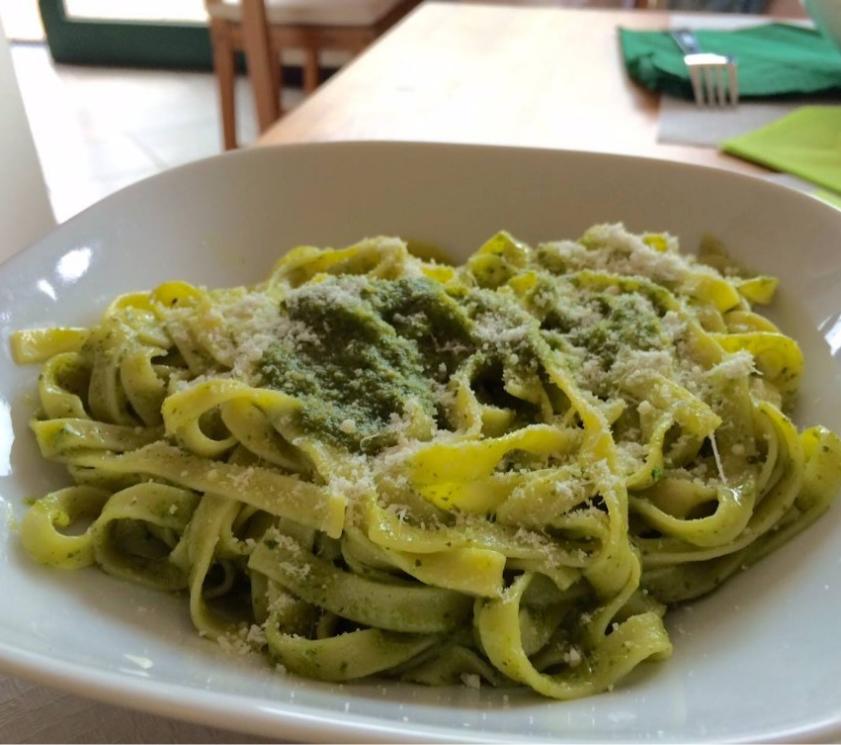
x=830, y=197
x=806, y=142
x=774, y=59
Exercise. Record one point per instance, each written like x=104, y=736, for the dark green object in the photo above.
x=719, y=6
x=125, y=44
x=774, y=60
x=169, y=46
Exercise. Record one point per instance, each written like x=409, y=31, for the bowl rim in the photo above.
x=259, y=151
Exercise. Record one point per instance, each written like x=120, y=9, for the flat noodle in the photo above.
x=371, y=464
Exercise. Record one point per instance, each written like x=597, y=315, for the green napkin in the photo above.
x=806, y=142
x=830, y=197
x=774, y=59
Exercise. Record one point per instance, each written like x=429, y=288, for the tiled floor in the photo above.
x=98, y=129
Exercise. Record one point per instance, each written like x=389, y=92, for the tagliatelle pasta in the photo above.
x=371, y=464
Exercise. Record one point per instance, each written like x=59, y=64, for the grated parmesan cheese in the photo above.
x=471, y=680
x=719, y=465
x=573, y=657
x=735, y=366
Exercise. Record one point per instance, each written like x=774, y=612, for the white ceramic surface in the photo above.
x=757, y=661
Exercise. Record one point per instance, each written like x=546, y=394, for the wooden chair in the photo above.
x=273, y=25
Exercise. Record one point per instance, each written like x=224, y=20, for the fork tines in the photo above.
x=715, y=79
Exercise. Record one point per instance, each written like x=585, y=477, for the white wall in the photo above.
x=25, y=212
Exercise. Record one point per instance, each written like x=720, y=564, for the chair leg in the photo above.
x=223, y=66
x=259, y=59
x=277, y=74
x=312, y=71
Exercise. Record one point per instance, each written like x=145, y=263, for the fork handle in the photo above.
x=686, y=40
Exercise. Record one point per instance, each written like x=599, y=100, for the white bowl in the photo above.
x=758, y=660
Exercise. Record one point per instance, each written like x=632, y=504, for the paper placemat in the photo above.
x=681, y=122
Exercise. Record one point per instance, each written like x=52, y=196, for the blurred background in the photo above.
x=117, y=90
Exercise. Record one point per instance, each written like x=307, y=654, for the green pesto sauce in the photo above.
x=360, y=349
x=625, y=321
x=599, y=322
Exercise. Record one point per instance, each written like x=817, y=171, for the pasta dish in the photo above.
x=372, y=464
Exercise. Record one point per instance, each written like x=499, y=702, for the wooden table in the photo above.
x=496, y=74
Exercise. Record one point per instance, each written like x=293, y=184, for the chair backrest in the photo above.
x=25, y=211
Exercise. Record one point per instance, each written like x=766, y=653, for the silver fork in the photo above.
x=715, y=77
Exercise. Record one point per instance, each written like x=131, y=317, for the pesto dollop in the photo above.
x=359, y=350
